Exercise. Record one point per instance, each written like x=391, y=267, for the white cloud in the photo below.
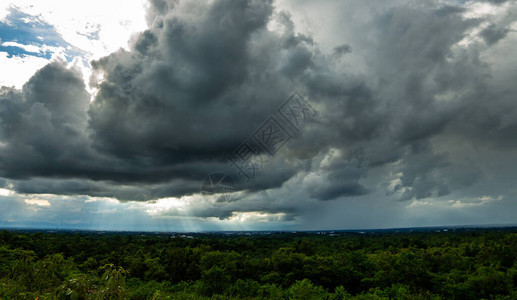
x=35, y=48
x=166, y=205
x=20, y=68
x=28, y=48
x=417, y=203
x=4, y=10
x=37, y=202
x=244, y=217
x=484, y=9
x=473, y=202
x=5, y=192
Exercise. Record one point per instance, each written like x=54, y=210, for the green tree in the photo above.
x=214, y=281
x=305, y=290
x=113, y=282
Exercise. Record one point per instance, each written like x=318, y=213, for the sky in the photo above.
x=215, y=115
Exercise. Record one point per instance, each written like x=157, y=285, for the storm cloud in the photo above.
x=414, y=105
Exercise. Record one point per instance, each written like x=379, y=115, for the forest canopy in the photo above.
x=458, y=264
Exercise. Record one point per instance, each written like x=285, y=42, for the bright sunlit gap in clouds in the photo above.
x=97, y=27
x=94, y=28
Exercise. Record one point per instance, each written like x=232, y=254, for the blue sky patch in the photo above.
x=21, y=28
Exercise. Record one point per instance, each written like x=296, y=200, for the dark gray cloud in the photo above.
x=204, y=76
x=342, y=50
x=43, y=126
x=196, y=85
x=491, y=34
x=193, y=87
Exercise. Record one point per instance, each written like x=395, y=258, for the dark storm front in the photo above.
x=250, y=157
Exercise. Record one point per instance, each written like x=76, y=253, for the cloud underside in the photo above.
x=424, y=115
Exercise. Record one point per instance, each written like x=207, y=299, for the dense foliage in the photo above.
x=464, y=264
